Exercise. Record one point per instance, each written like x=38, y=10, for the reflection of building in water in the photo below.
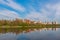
x=46, y=29
x=13, y=30
x=26, y=31
x=54, y=29
x=17, y=31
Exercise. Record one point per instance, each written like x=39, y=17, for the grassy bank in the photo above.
x=31, y=26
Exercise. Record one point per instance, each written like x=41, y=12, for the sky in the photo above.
x=38, y=10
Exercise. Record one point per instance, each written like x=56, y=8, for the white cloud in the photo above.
x=13, y=5
x=56, y=9
x=37, y=16
x=8, y=14
x=50, y=12
x=46, y=13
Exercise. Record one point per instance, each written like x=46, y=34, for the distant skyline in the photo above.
x=43, y=10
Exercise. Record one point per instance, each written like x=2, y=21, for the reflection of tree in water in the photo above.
x=18, y=30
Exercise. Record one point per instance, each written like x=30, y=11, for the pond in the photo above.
x=30, y=34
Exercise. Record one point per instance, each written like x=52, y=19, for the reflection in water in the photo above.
x=8, y=36
x=30, y=34
x=17, y=31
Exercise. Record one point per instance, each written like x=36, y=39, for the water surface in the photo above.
x=30, y=34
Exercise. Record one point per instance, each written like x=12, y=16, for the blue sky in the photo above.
x=38, y=10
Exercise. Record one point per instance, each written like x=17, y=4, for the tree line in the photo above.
x=16, y=22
